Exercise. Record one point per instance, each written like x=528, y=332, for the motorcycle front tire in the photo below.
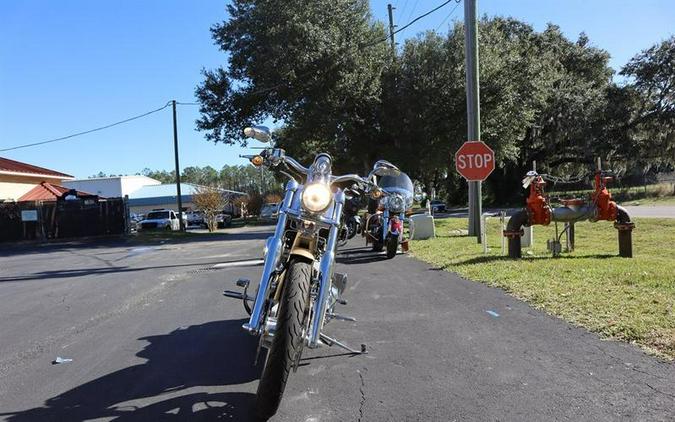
x=392, y=246
x=288, y=338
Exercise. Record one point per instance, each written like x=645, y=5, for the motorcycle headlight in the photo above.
x=316, y=197
x=396, y=203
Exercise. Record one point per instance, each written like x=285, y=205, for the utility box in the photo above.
x=422, y=227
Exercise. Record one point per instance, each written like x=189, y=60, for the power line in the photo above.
x=413, y=9
x=88, y=131
x=450, y=14
x=360, y=47
x=423, y=16
x=405, y=6
x=258, y=91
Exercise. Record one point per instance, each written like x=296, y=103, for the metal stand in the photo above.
x=331, y=341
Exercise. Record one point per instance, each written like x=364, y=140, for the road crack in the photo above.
x=362, y=389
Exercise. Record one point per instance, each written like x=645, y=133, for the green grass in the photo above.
x=621, y=298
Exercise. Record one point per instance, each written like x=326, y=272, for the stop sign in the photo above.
x=474, y=160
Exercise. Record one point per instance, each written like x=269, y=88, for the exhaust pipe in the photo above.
x=514, y=230
x=625, y=229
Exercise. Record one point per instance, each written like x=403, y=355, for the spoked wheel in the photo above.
x=288, y=338
x=351, y=229
x=392, y=246
x=343, y=237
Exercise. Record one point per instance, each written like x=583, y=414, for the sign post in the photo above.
x=472, y=108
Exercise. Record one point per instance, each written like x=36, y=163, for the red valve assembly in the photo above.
x=598, y=206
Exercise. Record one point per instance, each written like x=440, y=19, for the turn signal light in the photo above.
x=376, y=193
x=257, y=161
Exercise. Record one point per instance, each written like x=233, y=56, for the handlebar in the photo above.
x=272, y=157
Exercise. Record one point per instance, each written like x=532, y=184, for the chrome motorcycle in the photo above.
x=386, y=216
x=298, y=289
x=351, y=220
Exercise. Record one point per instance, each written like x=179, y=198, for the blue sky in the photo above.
x=68, y=66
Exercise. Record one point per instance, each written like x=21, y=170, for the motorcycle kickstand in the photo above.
x=331, y=341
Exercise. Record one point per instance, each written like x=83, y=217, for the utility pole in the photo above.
x=472, y=109
x=390, y=8
x=175, y=150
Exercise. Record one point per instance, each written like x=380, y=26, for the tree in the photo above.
x=161, y=175
x=645, y=108
x=315, y=65
x=211, y=201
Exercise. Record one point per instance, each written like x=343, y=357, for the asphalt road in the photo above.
x=152, y=339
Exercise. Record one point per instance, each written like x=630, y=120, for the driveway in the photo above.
x=152, y=338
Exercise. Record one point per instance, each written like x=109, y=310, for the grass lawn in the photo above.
x=621, y=298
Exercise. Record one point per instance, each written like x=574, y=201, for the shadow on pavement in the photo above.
x=85, y=272
x=9, y=249
x=200, y=358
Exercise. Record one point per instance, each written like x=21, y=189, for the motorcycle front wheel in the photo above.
x=288, y=338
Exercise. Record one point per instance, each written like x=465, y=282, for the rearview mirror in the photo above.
x=260, y=133
x=385, y=168
x=419, y=195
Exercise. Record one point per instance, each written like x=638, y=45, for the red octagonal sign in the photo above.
x=474, y=160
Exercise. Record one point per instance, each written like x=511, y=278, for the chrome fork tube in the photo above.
x=326, y=273
x=275, y=248
x=385, y=224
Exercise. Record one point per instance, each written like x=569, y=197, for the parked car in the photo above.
x=437, y=206
x=223, y=220
x=195, y=218
x=160, y=219
x=270, y=210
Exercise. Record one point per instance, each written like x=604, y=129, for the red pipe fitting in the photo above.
x=537, y=204
x=602, y=199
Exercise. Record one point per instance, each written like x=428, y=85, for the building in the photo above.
x=46, y=191
x=112, y=187
x=17, y=178
x=164, y=196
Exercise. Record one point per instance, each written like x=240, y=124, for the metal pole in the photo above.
x=472, y=109
x=391, y=28
x=175, y=150
x=261, y=180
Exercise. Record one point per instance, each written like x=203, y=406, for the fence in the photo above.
x=62, y=219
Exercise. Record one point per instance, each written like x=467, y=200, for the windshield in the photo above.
x=157, y=215
x=400, y=184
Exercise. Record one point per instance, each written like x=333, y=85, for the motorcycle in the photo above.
x=385, y=217
x=298, y=289
x=351, y=221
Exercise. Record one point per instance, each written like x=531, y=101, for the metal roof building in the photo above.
x=164, y=196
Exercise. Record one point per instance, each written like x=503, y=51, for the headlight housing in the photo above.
x=396, y=203
x=316, y=197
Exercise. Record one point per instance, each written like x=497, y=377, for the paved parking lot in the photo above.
x=152, y=338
